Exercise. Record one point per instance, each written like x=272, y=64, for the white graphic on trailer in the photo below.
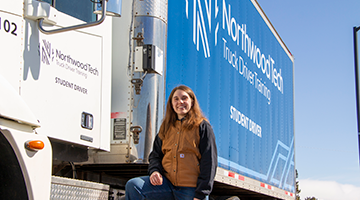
x=199, y=24
x=217, y=24
x=278, y=161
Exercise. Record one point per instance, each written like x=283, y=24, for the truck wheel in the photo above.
x=12, y=184
x=228, y=198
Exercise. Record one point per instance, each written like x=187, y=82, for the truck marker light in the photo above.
x=34, y=145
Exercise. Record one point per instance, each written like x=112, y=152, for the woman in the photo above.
x=184, y=158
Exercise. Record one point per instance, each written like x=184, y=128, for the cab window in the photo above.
x=80, y=9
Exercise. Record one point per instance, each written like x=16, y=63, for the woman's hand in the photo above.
x=196, y=198
x=156, y=178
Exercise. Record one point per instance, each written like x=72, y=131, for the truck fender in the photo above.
x=34, y=180
x=13, y=107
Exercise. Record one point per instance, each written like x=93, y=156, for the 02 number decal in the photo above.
x=9, y=27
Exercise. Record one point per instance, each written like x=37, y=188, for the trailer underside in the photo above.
x=116, y=175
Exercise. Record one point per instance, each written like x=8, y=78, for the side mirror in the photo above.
x=113, y=8
x=36, y=10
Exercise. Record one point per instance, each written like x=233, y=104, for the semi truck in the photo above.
x=84, y=84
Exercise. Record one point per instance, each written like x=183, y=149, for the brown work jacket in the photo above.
x=181, y=155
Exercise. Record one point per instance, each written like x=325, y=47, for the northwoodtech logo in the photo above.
x=51, y=55
x=202, y=16
x=47, y=54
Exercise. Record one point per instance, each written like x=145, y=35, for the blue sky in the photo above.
x=319, y=33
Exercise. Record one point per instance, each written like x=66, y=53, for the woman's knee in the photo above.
x=137, y=182
x=134, y=182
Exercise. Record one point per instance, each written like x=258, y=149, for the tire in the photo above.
x=12, y=182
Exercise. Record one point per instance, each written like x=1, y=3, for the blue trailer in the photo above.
x=228, y=52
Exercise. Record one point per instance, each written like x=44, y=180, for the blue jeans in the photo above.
x=140, y=188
